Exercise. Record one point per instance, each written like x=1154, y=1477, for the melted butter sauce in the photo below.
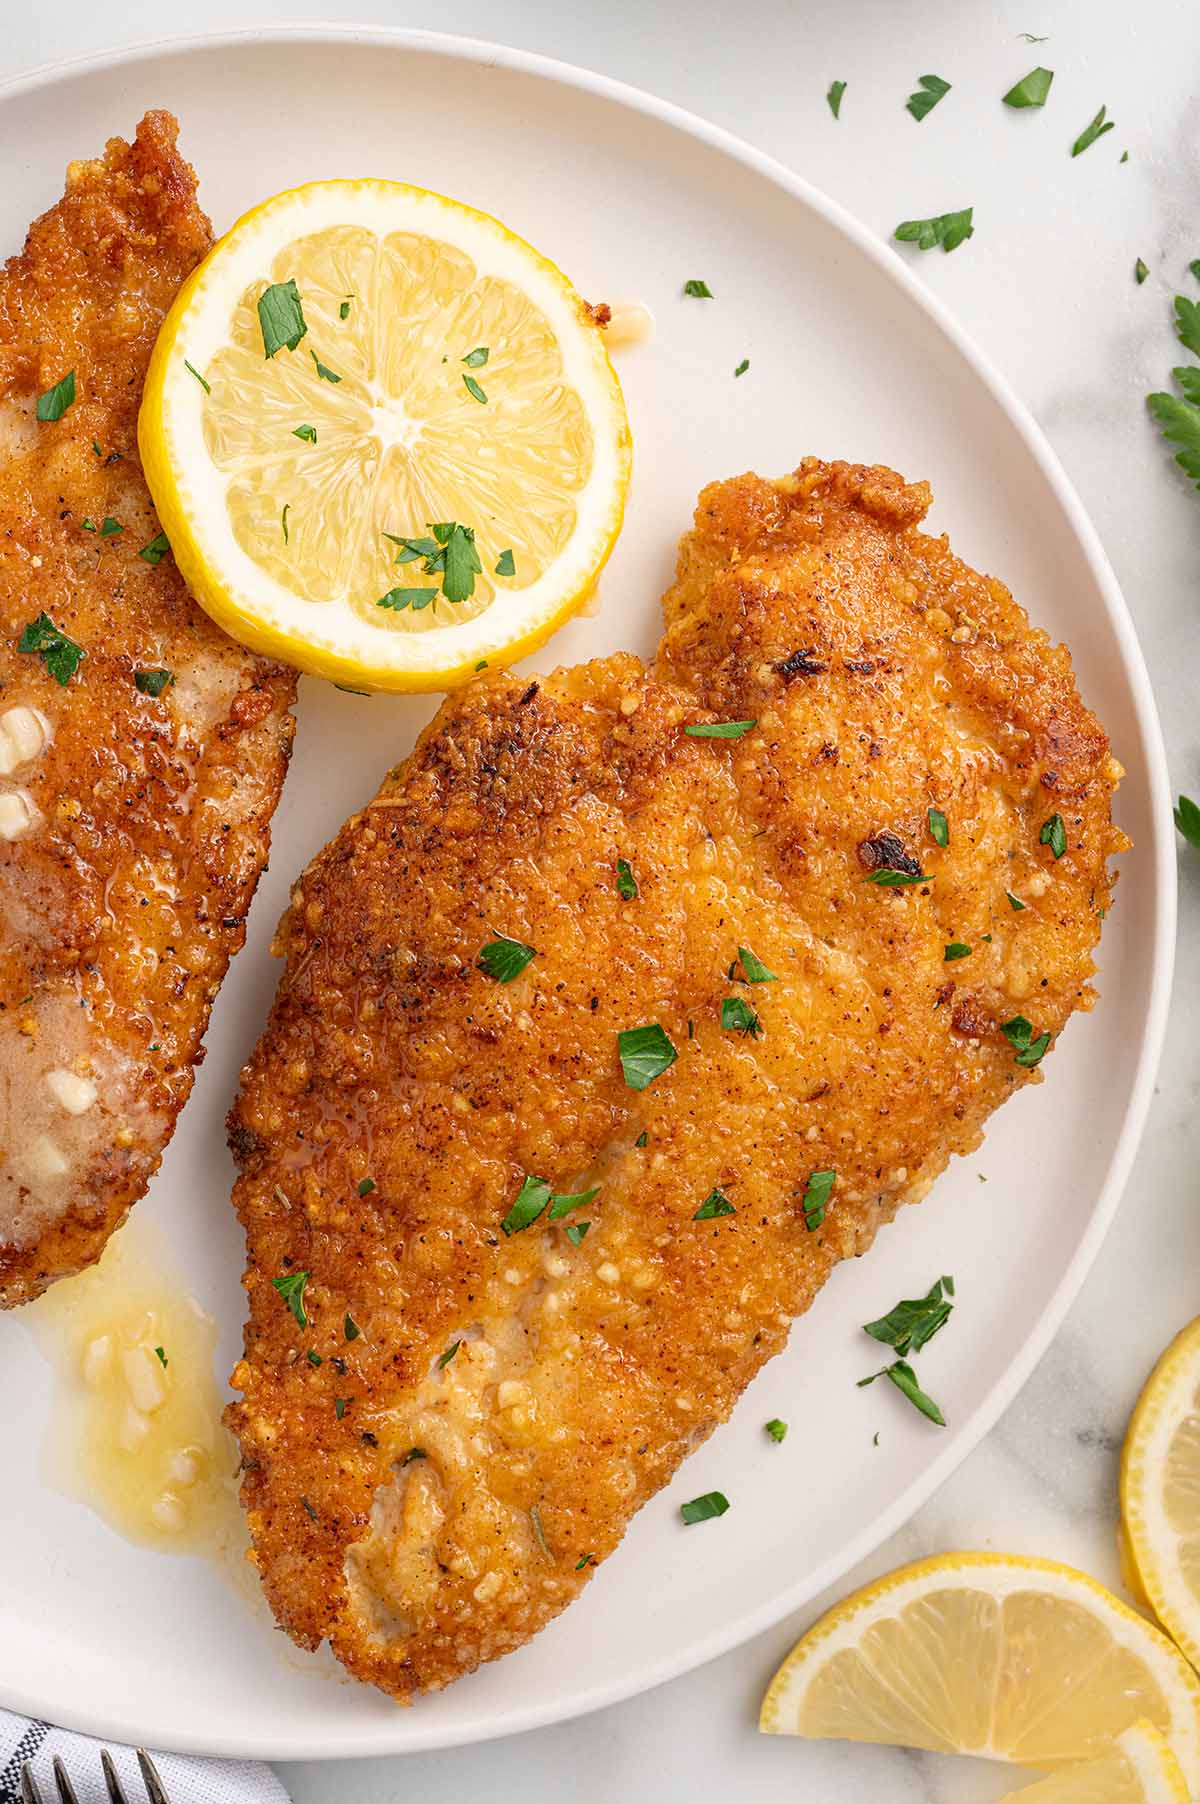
x=139, y=1441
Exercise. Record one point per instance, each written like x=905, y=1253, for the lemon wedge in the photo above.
x=1160, y=1490
x=1139, y=1768
x=991, y=1654
x=383, y=437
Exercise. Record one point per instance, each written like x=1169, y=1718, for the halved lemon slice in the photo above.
x=1139, y=1768
x=992, y=1654
x=383, y=436
x=1160, y=1490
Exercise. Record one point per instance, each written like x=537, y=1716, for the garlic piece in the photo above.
x=167, y=1512
x=24, y=732
x=44, y=1159
x=143, y=1375
x=17, y=813
x=97, y=1358
x=75, y=1094
x=133, y=1430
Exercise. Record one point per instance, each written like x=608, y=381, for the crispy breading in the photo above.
x=430, y=1490
x=140, y=821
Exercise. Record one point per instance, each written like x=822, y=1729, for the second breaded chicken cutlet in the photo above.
x=141, y=751
x=616, y=1019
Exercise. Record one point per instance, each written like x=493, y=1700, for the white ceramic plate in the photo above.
x=848, y=357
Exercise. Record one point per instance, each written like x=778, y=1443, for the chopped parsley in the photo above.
x=575, y=1231
x=1019, y=1033
x=720, y=729
x=532, y=1199
x=1031, y=90
x=535, y=1517
x=473, y=389
x=1140, y=272
x=565, y=1202
x=309, y=1510
x=308, y=433
x=939, y=827
x=930, y=89
x=834, y=97
x=60, y=654
x=344, y=308
x=776, y=1429
x=314, y=1358
x=505, y=565
x=956, y=949
x=1015, y=902
x=1031, y=38
x=156, y=550
x=646, y=1053
x=445, y=1358
x=287, y=507
x=1054, y=835
x=905, y=1381
x=947, y=229
x=399, y=599
x=192, y=370
x=886, y=878
x=109, y=528
x=1180, y=420
x=913, y=1322
x=414, y=1453
x=742, y=367
x=291, y=1288
x=153, y=682
x=754, y=969
x=366, y=1186
x=642, y=1138
x=476, y=359
x=450, y=553
x=738, y=1017
x=584, y=1560
x=339, y=1406
x=323, y=369
x=627, y=887
x=816, y=1198
x=698, y=290
x=281, y=317
x=162, y=1357
x=715, y=1203
x=1090, y=133
x=54, y=403
x=703, y=1509
x=1187, y=819
x=350, y=1327
x=505, y=959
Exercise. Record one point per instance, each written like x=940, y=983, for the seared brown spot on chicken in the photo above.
x=428, y=1496
x=133, y=826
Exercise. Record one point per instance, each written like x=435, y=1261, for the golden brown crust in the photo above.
x=120, y=909
x=886, y=678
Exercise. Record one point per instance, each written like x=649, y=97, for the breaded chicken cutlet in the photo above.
x=141, y=751
x=851, y=751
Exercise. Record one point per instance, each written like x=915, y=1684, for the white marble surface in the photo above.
x=1046, y=287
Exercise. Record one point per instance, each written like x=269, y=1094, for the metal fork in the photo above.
x=155, y=1790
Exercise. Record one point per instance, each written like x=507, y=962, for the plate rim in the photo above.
x=366, y=1740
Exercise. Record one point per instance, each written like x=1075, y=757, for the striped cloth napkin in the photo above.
x=187, y=1779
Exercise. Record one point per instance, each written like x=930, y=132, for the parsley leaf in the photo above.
x=698, y=290
x=947, y=229
x=505, y=565
x=738, y=1017
x=1187, y=323
x=339, y=1406
x=1090, y=133
x=1187, y=819
x=60, y=654
x=287, y=508
x=476, y=359
x=308, y=433
x=531, y=1200
x=473, y=389
x=889, y=879
x=192, y=370
x=54, y=403
x=156, y=550
x=756, y=971
x=445, y=1358
x=281, y=317
x=1019, y=1034
x=291, y=1288
x=460, y=560
x=703, y=1509
x=720, y=729
x=715, y=1203
x=816, y=1198
x=1140, y=272
x=505, y=959
x=834, y=97
x=742, y=367
x=956, y=949
x=399, y=599
x=646, y=1053
x=930, y=89
x=776, y=1429
x=1031, y=90
x=627, y=887
x=152, y=682
x=350, y=1327
x=323, y=369
x=344, y=307
x=568, y=1201
x=1015, y=902
x=1054, y=835
x=366, y=1186
x=905, y=1381
x=162, y=1357
x=1180, y=422
x=914, y=1321
x=939, y=827
x=109, y=528
x=576, y=1230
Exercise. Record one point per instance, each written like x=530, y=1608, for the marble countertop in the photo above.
x=1046, y=287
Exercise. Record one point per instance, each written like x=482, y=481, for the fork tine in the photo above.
x=66, y=1790
x=29, y=1790
x=115, y=1794
x=156, y=1791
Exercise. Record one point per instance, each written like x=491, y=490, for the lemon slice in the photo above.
x=1160, y=1490
x=1139, y=1768
x=991, y=1654
x=358, y=364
